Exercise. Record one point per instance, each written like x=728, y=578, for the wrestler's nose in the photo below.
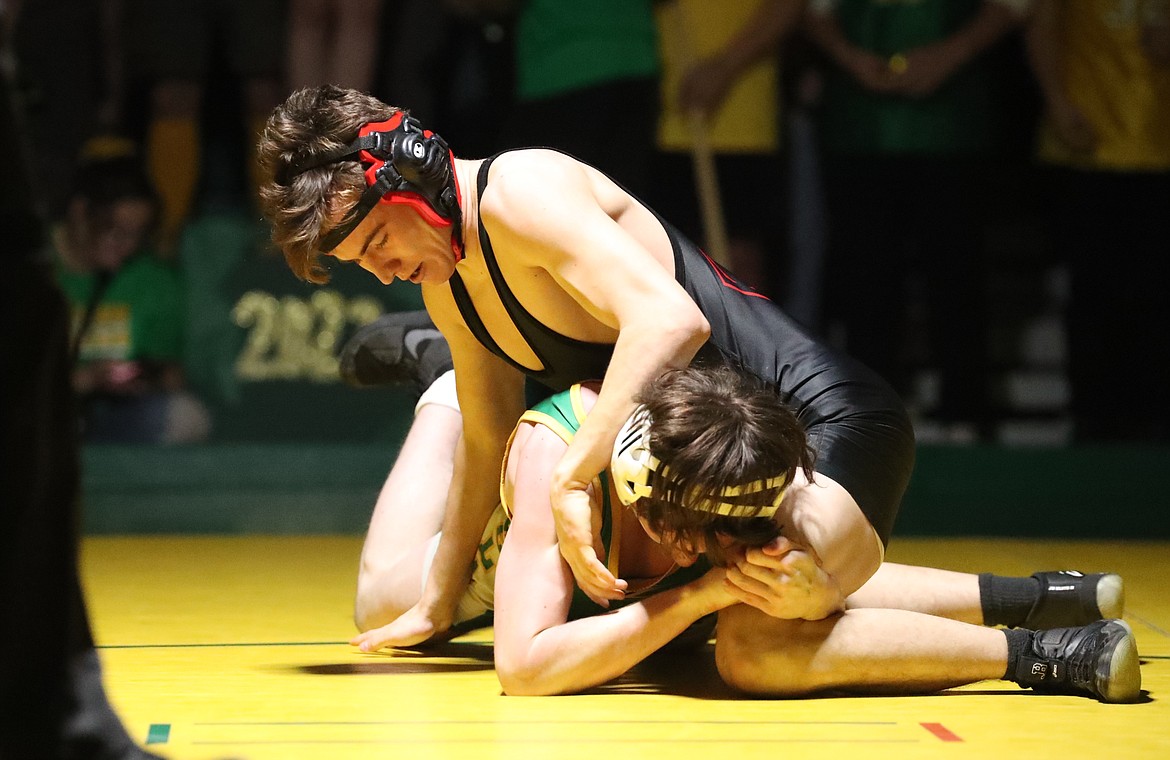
x=384, y=267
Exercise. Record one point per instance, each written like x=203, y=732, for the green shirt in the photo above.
x=955, y=119
x=564, y=45
x=140, y=316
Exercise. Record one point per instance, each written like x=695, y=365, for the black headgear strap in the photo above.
x=403, y=164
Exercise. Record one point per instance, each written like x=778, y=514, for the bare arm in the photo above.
x=869, y=70
x=925, y=69
x=1044, y=49
x=920, y=71
x=1044, y=54
x=830, y=551
x=538, y=651
x=619, y=283
x=707, y=83
x=491, y=399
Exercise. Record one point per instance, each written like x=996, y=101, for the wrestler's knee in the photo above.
x=765, y=656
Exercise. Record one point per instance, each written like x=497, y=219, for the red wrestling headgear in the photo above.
x=404, y=164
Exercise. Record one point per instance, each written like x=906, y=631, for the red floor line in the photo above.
x=941, y=731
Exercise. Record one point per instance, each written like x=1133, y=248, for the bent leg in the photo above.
x=865, y=650
x=408, y=514
x=943, y=593
x=1042, y=600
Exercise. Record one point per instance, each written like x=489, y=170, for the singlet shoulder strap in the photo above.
x=556, y=352
x=563, y=360
x=512, y=305
x=467, y=308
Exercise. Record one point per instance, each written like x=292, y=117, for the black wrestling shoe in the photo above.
x=398, y=348
x=1098, y=660
x=1071, y=598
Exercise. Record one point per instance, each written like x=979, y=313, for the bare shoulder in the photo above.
x=823, y=516
x=533, y=452
x=518, y=170
x=533, y=180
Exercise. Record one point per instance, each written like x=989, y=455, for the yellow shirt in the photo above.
x=747, y=122
x=1107, y=75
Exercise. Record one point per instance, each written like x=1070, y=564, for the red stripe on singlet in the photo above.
x=727, y=283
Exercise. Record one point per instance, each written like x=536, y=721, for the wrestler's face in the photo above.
x=682, y=557
x=685, y=556
x=393, y=241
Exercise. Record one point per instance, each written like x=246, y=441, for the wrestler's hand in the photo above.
x=923, y=70
x=411, y=627
x=869, y=70
x=785, y=581
x=579, y=539
x=705, y=85
x=714, y=590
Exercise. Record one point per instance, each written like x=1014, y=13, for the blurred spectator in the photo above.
x=173, y=43
x=907, y=129
x=1104, y=69
x=587, y=84
x=333, y=42
x=721, y=60
x=52, y=702
x=128, y=310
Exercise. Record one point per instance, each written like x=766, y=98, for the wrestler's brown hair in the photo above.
x=305, y=207
x=713, y=428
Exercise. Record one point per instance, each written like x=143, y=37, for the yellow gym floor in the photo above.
x=235, y=647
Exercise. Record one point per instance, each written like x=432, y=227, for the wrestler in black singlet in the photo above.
x=856, y=423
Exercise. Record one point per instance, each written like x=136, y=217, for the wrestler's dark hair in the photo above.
x=716, y=427
x=310, y=122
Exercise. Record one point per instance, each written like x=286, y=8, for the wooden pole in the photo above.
x=702, y=156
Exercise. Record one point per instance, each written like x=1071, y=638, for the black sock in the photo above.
x=1019, y=641
x=1007, y=601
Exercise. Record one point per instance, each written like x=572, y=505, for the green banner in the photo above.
x=262, y=346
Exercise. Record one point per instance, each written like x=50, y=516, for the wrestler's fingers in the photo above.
x=761, y=585
x=595, y=579
x=756, y=556
x=777, y=547
x=773, y=568
x=746, y=597
x=376, y=638
x=775, y=586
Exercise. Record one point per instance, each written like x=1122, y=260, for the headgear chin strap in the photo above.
x=632, y=463
x=404, y=164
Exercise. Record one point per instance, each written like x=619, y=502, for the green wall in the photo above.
x=296, y=451
x=1106, y=492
